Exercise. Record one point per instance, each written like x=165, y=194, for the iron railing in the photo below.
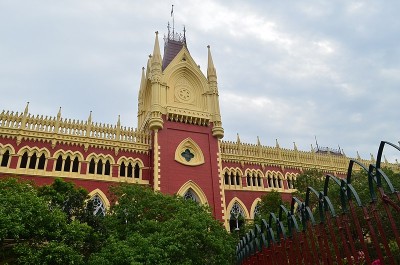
x=336, y=229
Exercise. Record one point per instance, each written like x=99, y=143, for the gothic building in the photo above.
x=176, y=148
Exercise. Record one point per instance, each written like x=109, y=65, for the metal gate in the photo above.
x=335, y=229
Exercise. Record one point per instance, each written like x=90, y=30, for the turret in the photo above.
x=217, y=130
x=155, y=122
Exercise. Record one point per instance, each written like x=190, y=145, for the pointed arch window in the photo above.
x=75, y=165
x=42, y=161
x=257, y=210
x=191, y=195
x=24, y=160
x=32, y=162
x=59, y=163
x=99, y=208
x=67, y=164
x=107, y=168
x=99, y=167
x=226, y=175
x=137, y=171
x=122, y=169
x=130, y=169
x=5, y=158
x=92, y=166
x=237, y=217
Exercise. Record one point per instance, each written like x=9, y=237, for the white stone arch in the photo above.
x=253, y=206
x=241, y=204
x=196, y=189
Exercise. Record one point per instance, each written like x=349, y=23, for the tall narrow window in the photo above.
x=107, y=168
x=237, y=179
x=75, y=165
x=289, y=183
x=226, y=178
x=232, y=179
x=32, y=162
x=24, y=160
x=59, y=163
x=98, y=206
x=248, y=180
x=270, y=183
x=130, y=170
x=122, y=169
x=259, y=181
x=279, y=183
x=137, y=171
x=99, y=167
x=254, y=181
x=6, y=157
x=42, y=161
x=92, y=166
x=67, y=164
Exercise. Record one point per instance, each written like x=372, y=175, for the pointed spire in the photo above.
x=384, y=157
x=358, y=156
x=90, y=118
x=119, y=121
x=211, y=68
x=294, y=146
x=156, y=58
x=238, y=139
x=258, y=141
x=276, y=143
x=59, y=114
x=142, y=83
x=26, y=109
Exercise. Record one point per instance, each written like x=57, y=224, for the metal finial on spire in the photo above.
x=173, y=20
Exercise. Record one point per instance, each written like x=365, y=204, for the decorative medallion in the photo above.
x=184, y=94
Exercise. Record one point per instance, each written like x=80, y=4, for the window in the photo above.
x=190, y=195
x=130, y=170
x=92, y=166
x=5, y=159
x=98, y=206
x=24, y=160
x=33, y=161
x=59, y=163
x=75, y=165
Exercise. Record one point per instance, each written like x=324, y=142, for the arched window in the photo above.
x=5, y=158
x=232, y=179
x=122, y=169
x=237, y=179
x=226, y=178
x=254, y=181
x=99, y=208
x=107, y=168
x=259, y=181
x=75, y=165
x=32, y=162
x=237, y=216
x=59, y=163
x=191, y=195
x=42, y=161
x=67, y=164
x=257, y=210
x=270, y=182
x=99, y=167
x=92, y=166
x=24, y=160
x=137, y=171
x=248, y=180
x=130, y=169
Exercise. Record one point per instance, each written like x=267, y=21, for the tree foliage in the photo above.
x=53, y=225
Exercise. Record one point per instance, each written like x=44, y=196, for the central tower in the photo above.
x=179, y=105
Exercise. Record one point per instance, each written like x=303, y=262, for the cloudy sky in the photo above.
x=287, y=70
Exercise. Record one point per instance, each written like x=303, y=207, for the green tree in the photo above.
x=31, y=232
x=146, y=227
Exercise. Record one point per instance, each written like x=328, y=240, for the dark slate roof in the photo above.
x=172, y=47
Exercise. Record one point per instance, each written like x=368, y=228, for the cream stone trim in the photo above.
x=101, y=194
x=156, y=169
x=253, y=206
x=196, y=189
x=194, y=148
x=230, y=205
